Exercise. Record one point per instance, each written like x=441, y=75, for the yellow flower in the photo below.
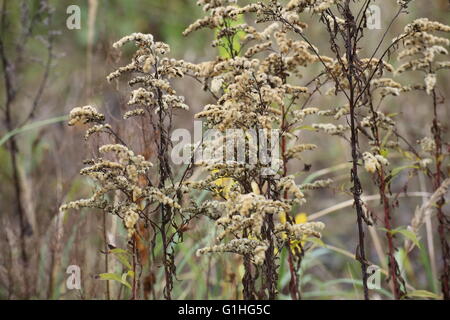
x=224, y=185
x=299, y=219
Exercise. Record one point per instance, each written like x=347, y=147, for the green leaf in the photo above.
x=115, y=277
x=122, y=255
x=384, y=152
x=236, y=44
x=423, y=294
x=119, y=251
x=123, y=259
x=391, y=115
x=406, y=233
x=110, y=276
x=409, y=235
x=31, y=126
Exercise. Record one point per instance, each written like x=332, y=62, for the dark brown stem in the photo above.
x=166, y=259
x=248, y=280
x=293, y=282
x=165, y=210
x=442, y=219
x=356, y=189
x=393, y=266
x=383, y=188
x=164, y=175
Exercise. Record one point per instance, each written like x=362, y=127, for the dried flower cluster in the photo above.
x=259, y=103
x=425, y=51
x=250, y=84
x=365, y=85
x=423, y=48
x=125, y=184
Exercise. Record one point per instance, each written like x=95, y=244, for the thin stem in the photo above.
x=442, y=219
x=357, y=188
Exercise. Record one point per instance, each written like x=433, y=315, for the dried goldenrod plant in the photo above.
x=362, y=83
x=256, y=206
x=127, y=184
x=424, y=47
x=259, y=101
